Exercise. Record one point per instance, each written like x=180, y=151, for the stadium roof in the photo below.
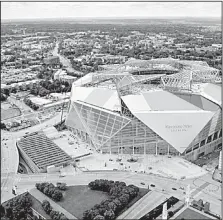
x=157, y=101
x=172, y=118
x=104, y=98
x=212, y=92
x=199, y=100
x=84, y=80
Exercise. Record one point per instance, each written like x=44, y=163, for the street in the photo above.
x=162, y=185
x=63, y=60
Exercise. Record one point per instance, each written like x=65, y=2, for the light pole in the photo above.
x=62, y=109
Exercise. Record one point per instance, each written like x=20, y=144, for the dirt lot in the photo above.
x=9, y=111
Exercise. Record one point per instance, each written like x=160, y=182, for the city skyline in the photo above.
x=49, y=10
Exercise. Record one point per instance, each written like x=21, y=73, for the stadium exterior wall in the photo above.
x=133, y=136
x=208, y=139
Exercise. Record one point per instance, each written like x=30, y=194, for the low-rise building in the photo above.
x=67, y=78
x=52, y=61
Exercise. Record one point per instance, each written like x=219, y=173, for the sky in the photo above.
x=32, y=10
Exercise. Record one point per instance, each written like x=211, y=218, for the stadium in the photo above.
x=159, y=106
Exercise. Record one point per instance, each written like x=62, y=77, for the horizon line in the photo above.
x=114, y=18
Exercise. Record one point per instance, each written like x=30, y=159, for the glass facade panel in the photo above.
x=215, y=136
x=209, y=139
x=196, y=146
x=202, y=143
x=113, y=131
x=100, y=125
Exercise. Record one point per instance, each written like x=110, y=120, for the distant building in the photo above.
x=67, y=78
x=62, y=76
x=53, y=61
x=216, y=46
x=58, y=74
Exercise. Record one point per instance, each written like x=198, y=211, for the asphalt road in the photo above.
x=27, y=182
x=66, y=62
x=150, y=201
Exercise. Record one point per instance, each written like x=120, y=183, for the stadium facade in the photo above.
x=162, y=107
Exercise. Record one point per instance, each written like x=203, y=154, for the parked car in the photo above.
x=174, y=189
x=62, y=175
x=152, y=185
x=142, y=183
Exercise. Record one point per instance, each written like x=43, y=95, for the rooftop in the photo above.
x=42, y=151
x=157, y=101
x=101, y=97
x=212, y=92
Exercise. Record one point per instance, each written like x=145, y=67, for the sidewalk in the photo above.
x=143, y=206
x=40, y=196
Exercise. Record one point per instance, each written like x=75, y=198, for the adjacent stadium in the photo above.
x=159, y=106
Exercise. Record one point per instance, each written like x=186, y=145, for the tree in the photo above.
x=46, y=206
x=57, y=195
x=109, y=215
x=118, y=204
x=124, y=200
x=3, y=126
x=66, y=84
x=170, y=214
x=3, y=97
x=63, y=217
x=62, y=186
x=99, y=217
x=6, y=92
x=46, y=190
x=8, y=211
x=86, y=215
x=2, y=210
x=93, y=213
x=112, y=206
x=13, y=90
x=102, y=209
x=53, y=213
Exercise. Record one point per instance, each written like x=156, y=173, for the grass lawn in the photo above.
x=10, y=113
x=78, y=199
x=191, y=214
